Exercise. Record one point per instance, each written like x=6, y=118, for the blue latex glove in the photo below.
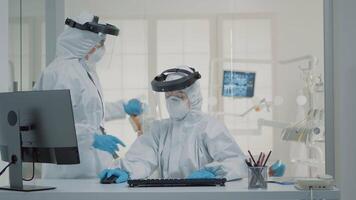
x=133, y=107
x=107, y=143
x=122, y=176
x=203, y=173
x=277, y=169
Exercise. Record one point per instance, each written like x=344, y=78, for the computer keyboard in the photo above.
x=176, y=182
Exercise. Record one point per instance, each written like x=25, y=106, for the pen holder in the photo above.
x=257, y=177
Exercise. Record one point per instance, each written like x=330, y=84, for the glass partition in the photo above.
x=27, y=41
x=26, y=48
x=281, y=43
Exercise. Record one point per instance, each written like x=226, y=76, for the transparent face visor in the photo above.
x=108, y=59
x=160, y=98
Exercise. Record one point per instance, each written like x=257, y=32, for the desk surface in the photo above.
x=93, y=190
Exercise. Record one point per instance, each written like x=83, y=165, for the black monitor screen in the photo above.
x=238, y=84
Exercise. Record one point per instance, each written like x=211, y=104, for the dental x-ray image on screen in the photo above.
x=238, y=84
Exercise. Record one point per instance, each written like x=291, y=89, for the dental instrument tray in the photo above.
x=176, y=182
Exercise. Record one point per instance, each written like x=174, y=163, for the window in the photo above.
x=184, y=42
x=123, y=71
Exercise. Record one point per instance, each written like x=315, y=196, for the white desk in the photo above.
x=92, y=190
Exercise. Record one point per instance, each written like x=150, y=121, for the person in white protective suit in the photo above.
x=190, y=144
x=79, y=47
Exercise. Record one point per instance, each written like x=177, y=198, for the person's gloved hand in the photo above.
x=203, y=173
x=133, y=107
x=122, y=176
x=277, y=169
x=107, y=143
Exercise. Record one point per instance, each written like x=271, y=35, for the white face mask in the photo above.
x=97, y=55
x=177, y=108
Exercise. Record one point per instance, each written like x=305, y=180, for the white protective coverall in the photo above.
x=179, y=147
x=69, y=70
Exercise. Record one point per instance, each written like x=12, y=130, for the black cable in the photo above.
x=33, y=173
x=7, y=166
x=33, y=168
x=13, y=161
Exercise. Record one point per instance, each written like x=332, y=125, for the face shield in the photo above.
x=175, y=79
x=106, y=48
x=102, y=53
x=169, y=91
x=94, y=26
x=97, y=53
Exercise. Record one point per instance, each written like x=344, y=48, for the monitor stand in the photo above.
x=28, y=188
x=14, y=153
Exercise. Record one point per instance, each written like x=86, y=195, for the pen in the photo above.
x=248, y=163
x=259, y=160
x=267, y=158
x=263, y=158
x=249, y=152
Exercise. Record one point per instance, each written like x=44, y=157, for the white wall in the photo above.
x=345, y=95
x=4, y=71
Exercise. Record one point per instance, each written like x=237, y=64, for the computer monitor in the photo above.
x=36, y=126
x=238, y=84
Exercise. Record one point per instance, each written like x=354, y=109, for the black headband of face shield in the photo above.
x=94, y=26
x=159, y=83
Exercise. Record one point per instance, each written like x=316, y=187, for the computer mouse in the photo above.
x=109, y=180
